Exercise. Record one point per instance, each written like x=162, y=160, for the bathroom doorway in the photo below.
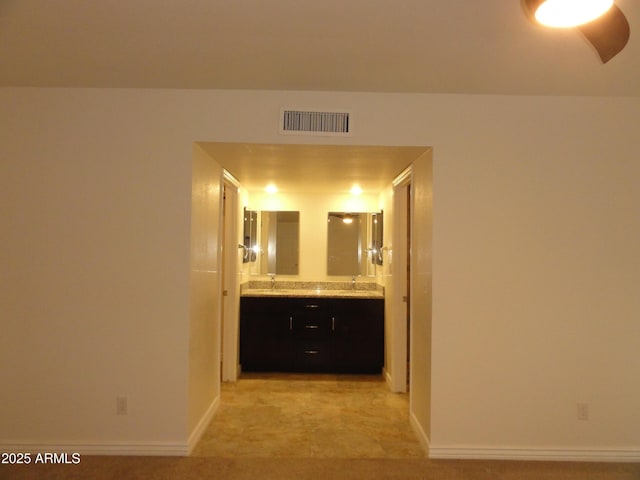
x=407, y=367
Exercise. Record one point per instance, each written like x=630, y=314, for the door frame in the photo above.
x=401, y=287
x=230, y=290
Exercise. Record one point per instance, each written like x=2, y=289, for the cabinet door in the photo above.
x=359, y=335
x=265, y=336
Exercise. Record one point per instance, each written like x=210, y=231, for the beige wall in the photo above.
x=94, y=289
x=205, y=308
x=535, y=261
x=421, y=292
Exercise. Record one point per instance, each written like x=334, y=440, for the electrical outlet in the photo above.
x=582, y=411
x=122, y=405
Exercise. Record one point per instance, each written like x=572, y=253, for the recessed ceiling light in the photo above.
x=356, y=190
x=570, y=13
x=271, y=188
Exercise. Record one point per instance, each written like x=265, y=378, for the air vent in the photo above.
x=303, y=122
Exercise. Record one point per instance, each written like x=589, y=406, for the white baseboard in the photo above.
x=119, y=448
x=197, y=433
x=387, y=378
x=568, y=455
x=102, y=448
x=419, y=431
x=392, y=386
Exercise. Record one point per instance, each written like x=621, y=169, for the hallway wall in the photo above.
x=205, y=286
x=421, y=323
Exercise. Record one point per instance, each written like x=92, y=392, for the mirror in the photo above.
x=351, y=237
x=273, y=242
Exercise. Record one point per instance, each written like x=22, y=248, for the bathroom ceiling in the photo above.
x=313, y=168
x=453, y=46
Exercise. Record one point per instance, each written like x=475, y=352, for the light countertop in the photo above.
x=306, y=292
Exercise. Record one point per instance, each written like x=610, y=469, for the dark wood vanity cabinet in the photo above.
x=344, y=335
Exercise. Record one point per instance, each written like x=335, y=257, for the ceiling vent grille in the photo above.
x=303, y=122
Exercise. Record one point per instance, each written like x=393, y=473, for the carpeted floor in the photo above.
x=201, y=468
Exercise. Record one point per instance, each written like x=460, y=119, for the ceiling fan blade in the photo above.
x=530, y=7
x=608, y=34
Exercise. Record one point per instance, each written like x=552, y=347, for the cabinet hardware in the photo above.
x=311, y=306
x=290, y=323
x=311, y=352
x=333, y=324
x=311, y=326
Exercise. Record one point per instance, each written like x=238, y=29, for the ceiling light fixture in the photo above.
x=570, y=13
x=356, y=190
x=271, y=188
x=601, y=22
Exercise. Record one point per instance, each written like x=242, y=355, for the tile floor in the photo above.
x=310, y=416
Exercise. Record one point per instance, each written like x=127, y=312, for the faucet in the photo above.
x=273, y=281
x=353, y=282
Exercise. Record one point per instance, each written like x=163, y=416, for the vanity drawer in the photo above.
x=311, y=326
x=313, y=356
x=311, y=319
